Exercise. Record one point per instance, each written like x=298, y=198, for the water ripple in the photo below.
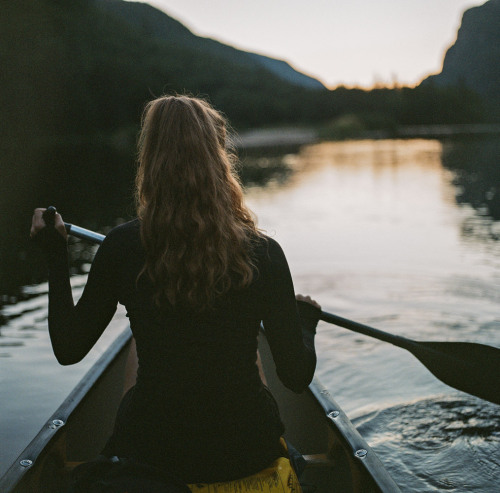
x=428, y=443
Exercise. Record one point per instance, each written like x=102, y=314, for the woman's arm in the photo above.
x=290, y=325
x=74, y=329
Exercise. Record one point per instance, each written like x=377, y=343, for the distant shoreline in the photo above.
x=284, y=136
x=271, y=137
x=449, y=130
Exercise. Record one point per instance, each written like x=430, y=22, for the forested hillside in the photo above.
x=80, y=67
x=150, y=22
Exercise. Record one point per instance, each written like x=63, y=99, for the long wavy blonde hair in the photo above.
x=197, y=233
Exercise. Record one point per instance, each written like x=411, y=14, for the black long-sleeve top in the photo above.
x=199, y=407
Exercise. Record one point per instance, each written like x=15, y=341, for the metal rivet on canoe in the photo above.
x=334, y=414
x=361, y=453
x=56, y=423
x=26, y=463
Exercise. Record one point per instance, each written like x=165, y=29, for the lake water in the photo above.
x=400, y=235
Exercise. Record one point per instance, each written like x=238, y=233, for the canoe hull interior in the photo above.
x=315, y=426
x=339, y=459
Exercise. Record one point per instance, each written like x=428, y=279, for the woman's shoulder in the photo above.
x=268, y=248
x=129, y=228
x=123, y=235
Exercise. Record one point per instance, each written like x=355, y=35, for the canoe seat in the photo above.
x=318, y=460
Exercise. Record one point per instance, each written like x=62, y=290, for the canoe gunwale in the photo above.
x=352, y=442
x=55, y=426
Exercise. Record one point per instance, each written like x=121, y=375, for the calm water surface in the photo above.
x=376, y=232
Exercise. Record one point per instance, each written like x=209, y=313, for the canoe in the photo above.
x=338, y=458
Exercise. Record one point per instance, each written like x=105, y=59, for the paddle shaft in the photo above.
x=399, y=341
x=84, y=234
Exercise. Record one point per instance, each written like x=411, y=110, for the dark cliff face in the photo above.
x=473, y=60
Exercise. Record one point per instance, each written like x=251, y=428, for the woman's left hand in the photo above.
x=307, y=299
x=38, y=223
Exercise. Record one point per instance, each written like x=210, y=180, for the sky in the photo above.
x=339, y=42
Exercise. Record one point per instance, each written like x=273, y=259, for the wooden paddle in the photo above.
x=470, y=367
x=466, y=366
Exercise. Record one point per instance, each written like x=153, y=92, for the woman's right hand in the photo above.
x=309, y=311
x=38, y=223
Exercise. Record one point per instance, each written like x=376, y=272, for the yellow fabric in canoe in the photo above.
x=279, y=477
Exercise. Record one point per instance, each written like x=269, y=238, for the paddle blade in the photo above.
x=469, y=367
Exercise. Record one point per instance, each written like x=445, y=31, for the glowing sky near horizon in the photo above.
x=349, y=42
